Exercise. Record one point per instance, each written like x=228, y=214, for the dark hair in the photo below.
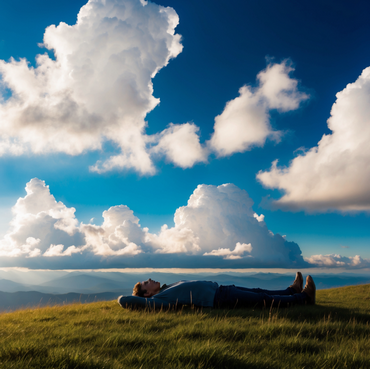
x=138, y=291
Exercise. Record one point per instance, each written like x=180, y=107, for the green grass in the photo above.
x=335, y=333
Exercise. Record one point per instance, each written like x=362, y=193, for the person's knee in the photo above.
x=258, y=290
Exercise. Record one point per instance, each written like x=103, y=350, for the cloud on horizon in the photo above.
x=335, y=260
x=99, y=89
x=217, y=228
x=335, y=174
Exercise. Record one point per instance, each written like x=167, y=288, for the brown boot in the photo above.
x=310, y=290
x=298, y=283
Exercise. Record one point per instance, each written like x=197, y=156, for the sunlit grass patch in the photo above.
x=332, y=334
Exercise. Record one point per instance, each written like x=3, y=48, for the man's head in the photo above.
x=146, y=288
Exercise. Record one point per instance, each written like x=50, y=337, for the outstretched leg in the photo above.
x=231, y=296
x=294, y=288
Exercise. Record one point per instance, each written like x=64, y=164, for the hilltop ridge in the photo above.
x=331, y=334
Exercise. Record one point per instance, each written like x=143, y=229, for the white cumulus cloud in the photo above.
x=278, y=88
x=239, y=251
x=217, y=224
x=41, y=226
x=260, y=218
x=58, y=250
x=120, y=233
x=335, y=174
x=39, y=221
x=180, y=144
x=217, y=227
x=245, y=121
x=335, y=260
x=98, y=88
x=219, y=219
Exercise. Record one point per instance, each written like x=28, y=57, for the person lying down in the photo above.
x=151, y=294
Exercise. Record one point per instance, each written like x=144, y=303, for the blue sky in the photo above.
x=306, y=53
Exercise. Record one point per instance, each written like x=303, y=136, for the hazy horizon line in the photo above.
x=200, y=270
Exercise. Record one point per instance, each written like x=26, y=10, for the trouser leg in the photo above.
x=286, y=292
x=231, y=296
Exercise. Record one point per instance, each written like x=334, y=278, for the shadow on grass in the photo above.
x=308, y=313
x=298, y=314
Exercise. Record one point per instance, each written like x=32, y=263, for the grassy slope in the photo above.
x=332, y=334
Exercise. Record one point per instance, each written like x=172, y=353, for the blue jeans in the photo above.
x=233, y=296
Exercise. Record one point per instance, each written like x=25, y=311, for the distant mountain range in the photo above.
x=30, y=299
x=63, y=287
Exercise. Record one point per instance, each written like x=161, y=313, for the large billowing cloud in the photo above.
x=334, y=175
x=40, y=223
x=120, y=233
x=41, y=226
x=220, y=221
x=245, y=121
x=217, y=227
x=99, y=87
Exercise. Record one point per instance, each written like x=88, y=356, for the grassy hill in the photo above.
x=332, y=334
